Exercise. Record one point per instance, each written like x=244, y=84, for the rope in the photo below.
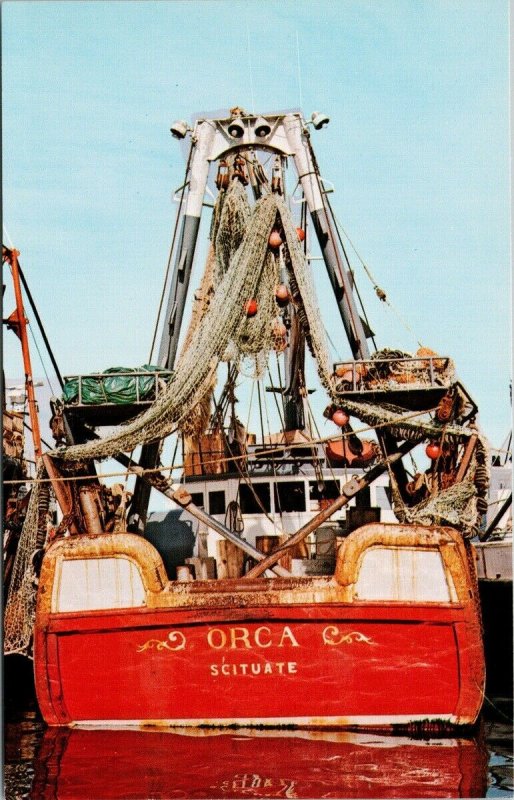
x=378, y=290
x=136, y=470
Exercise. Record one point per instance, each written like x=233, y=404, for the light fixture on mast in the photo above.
x=262, y=128
x=179, y=129
x=236, y=128
x=319, y=120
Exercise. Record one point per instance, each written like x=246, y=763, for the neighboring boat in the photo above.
x=275, y=607
x=494, y=569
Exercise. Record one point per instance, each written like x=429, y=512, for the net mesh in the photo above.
x=20, y=605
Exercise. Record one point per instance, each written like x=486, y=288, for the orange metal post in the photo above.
x=22, y=332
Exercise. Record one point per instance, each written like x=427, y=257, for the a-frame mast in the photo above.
x=285, y=135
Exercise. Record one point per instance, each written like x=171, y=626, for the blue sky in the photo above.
x=417, y=147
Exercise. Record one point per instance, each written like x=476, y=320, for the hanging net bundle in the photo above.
x=20, y=605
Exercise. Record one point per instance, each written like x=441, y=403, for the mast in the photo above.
x=18, y=322
x=197, y=171
x=335, y=262
x=284, y=135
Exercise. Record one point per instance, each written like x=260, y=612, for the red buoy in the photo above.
x=340, y=418
x=282, y=294
x=275, y=240
x=301, y=234
x=251, y=307
x=433, y=450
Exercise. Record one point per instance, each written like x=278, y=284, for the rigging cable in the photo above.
x=299, y=69
x=38, y=319
x=275, y=391
x=40, y=358
x=279, y=448
x=355, y=287
x=273, y=464
x=41, y=326
x=336, y=351
x=249, y=51
x=351, y=308
x=379, y=292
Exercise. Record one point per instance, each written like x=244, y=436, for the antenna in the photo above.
x=250, y=62
x=299, y=70
x=8, y=237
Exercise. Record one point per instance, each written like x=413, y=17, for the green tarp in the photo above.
x=112, y=387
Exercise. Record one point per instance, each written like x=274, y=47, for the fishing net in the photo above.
x=229, y=225
x=223, y=320
x=20, y=605
x=251, y=272
x=198, y=419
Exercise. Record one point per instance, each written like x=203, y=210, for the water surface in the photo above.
x=82, y=764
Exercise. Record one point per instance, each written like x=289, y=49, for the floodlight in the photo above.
x=319, y=120
x=262, y=128
x=179, y=129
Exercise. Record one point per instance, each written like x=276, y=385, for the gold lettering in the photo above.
x=291, y=667
x=225, y=669
x=288, y=633
x=214, y=669
x=268, y=669
x=222, y=640
x=239, y=635
x=257, y=636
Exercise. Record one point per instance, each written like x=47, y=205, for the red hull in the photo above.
x=293, y=662
x=286, y=672
x=137, y=764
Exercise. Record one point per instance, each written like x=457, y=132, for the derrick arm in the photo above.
x=336, y=262
x=338, y=270
x=196, y=179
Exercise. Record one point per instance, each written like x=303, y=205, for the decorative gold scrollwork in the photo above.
x=175, y=641
x=333, y=636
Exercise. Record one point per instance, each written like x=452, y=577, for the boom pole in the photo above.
x=18, y=322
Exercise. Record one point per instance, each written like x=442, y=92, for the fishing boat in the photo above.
x=279, y=592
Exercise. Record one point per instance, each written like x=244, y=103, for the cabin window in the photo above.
x=217, y=502
x=382, y=499
x=197, y=498
x=403, y=573
x=290, y=496
x=254, y=499
x=87, y=584
x=329, y=490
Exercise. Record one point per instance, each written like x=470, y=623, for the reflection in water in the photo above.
x=499, y=742
x=137, y=765
x=22, y=735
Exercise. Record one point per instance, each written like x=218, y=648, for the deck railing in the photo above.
x=372, y=374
